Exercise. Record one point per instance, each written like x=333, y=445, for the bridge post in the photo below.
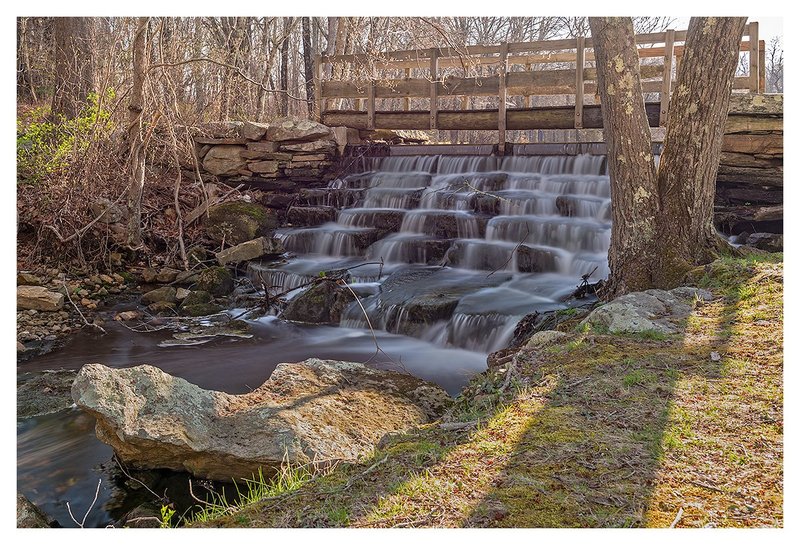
x=318, y=87
x=580, y=61
x=762, y=67
x=666, y=83
x=406, y=100
x=503, y=96
x=434, y=87
x=371, y=105
x=752, y=31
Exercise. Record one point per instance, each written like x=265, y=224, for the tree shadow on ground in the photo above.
x=593, y=426
x=622, y=413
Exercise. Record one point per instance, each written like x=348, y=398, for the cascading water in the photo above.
x=470, y=244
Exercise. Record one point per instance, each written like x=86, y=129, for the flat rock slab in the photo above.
x=315, y=410
x=38, y=298
x=251, y=249
x=652, y=310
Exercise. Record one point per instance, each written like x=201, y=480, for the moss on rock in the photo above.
x=237, y=222
x=216, y=281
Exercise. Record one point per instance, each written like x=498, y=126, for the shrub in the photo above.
x=46, y=145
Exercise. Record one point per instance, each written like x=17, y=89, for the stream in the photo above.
x=470, y=246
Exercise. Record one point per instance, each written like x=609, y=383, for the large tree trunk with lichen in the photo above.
x=74, y=68
x=635, y=203
x=136, y=159
x=662, y=222
x=687, y=171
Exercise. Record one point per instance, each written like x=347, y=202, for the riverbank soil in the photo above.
x=596, y=430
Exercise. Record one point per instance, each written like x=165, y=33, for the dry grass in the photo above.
x=600, y=431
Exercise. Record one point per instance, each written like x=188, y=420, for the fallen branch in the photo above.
x=85, y=321
x=96, y=495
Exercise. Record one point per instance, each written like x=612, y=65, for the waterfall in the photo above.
x=470, y=244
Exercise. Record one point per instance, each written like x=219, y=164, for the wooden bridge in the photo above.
x=513, y=81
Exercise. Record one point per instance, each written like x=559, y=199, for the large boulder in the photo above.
x=289, y=129
x=252, y=249
x=38, y=298
x=652, y=310
x=237, y=222
x=224, y=160
x=320, y=304
x=316, y=410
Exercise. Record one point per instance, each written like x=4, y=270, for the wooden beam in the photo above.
x=517, y=83
x=555, y=117
x=503, y=96
x=318, y=87
x=752, y=31
x=387, y=57
x=580, y=61
x=434, y=90
x=666, y=78
x=527, y=95
x=407, y=100
x=762, y=67
x=371, y=106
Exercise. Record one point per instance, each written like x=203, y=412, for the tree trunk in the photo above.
x=135, y=137
x=74, y=69
x=662, y=222
x=26, y=92
x=284, y=75
x=688, y=169
x=308, y=65
x=635, y=204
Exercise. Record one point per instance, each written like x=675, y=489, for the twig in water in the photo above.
x=85, y=321
x=82, y=522
x=378, y=349
x=514, y=251
x=121, y=467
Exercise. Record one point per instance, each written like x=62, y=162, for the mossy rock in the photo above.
x=197, y=297
x=200, y=309
x=320, y=304
x=215, y=280
x=237, y=222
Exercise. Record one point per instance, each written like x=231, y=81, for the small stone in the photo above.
x=166, y=294
x=86, y=302
x=94, y=279
x=182, y=293
x=118, y=278
x=162, y=306
x=20, y=347
x=33, y=312
x=149, y=275
x=50, y=337
x=28, y=279
x=715, y=356
x=106, y=279
x=127, y=315
x=102, y=292
x=166, y=275
x=83, y=292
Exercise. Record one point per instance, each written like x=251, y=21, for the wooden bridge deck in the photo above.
x=513, y=81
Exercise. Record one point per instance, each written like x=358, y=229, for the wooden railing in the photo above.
x=524, y=69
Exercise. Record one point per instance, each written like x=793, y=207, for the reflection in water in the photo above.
x=60, y=460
